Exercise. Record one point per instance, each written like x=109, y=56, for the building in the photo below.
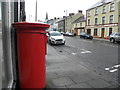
x=12, y=11
x=50, y=22
x=61, y=24
x=79, y=25
x=53, y=24
x=103, y=18
x=70, y=19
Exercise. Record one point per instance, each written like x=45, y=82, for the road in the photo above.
x=100, y=56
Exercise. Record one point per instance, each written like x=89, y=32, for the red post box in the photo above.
x=31, y=43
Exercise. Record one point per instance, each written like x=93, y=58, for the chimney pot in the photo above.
x=79, y=11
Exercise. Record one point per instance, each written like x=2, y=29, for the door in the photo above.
x=89, y=31
x=102, y=33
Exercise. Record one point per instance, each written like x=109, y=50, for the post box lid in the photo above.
x=29, y=25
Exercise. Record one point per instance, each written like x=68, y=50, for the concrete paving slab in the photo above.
x=78, y=79
x=79, y=85
x=63, y=72
x=62, y=81
x=51, y=75
x=98, y=83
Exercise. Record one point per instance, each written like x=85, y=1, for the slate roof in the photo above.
x=80, y=19
x=102, y=2
x=59, y=20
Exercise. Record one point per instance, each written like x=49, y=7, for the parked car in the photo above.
x=115, y=37
x=62, y=33
x=86, y=36
x=56, y=37
x=69, y=34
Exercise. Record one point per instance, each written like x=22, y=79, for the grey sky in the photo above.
x=55, y=8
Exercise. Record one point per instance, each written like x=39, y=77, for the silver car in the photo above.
x=56, y=37
x=115, y=37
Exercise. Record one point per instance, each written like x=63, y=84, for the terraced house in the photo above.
x=79, y=25
x=103, y=18
x=70, y=19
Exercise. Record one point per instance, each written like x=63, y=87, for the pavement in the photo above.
x=66, y=73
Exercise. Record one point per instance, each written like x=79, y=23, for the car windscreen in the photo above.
x=55, y=34
x=118, y=34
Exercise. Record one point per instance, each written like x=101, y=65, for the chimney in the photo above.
x=64, y=16
x=79, y=11
x=71, y=14
x=54, y=18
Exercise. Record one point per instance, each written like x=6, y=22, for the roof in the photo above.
x=59, y=20
x=80, y=19
x=102, y=2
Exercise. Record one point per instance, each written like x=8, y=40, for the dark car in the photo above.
x=86, y=36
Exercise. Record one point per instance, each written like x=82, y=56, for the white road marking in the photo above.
x=107, y=69
x=114, y=70
x=73, y=54
x=85, y=51
x=117, y=66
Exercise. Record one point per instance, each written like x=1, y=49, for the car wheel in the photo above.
x=112, y=40
x=85, y=37
x=50, y=42
x=63, y=43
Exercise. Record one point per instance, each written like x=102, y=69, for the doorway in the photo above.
x=102, y=32
x=89, y=31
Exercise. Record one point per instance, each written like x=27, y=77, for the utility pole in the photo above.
x=36, y=12
x=65, y=21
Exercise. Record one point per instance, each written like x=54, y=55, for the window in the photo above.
x=96, y=11
x=80, y=24
x=95, y=31
x=75, y=25
x=88, y=21
x=112, y=7
x=104, y=9
x=96, y=21
x=111, y=18
x=103, y=20
x=88, y=12
x=110, y=31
